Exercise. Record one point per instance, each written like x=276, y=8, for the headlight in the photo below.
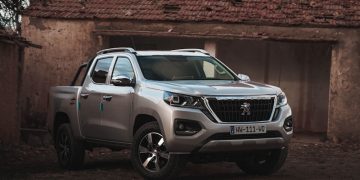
x=180, y=100
x=281, y=99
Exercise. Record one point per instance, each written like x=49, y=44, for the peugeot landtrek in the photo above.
x=168, y=108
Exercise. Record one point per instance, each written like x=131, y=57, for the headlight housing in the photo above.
x=281, y=99
x=180, y=100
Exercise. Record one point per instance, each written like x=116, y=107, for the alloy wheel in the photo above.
x=64, y=144
x=152, y=152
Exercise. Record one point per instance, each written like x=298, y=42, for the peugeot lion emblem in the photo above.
x=245, y=108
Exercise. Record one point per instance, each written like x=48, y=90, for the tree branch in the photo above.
x=11, y=12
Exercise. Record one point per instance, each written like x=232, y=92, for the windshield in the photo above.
x=169, y=68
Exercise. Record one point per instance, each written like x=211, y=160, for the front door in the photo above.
x=91, y=96
x=117, y=102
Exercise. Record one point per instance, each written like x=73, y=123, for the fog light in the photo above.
x=288, y=124
x=185, y=127
x=181, y=126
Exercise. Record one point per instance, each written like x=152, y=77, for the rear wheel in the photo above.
x=70, y=151
x=263, y=162
x=150, y=157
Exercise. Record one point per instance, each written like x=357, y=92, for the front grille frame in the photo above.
x=266, y=97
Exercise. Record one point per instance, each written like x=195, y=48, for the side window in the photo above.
x=101, y=70
x=123, y=68
x=80, y=76
x=209, y=69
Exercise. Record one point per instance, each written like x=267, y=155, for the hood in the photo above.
x=214, y=87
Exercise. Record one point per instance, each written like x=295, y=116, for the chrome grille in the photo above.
x=232, y=110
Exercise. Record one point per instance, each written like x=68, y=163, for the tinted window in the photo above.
x=123, y=68
x=101, y=70
x=80, y=76
x=169, y=68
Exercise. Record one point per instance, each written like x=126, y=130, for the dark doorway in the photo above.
x=301, y=69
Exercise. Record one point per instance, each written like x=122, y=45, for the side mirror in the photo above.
x=243, y=77
x=121, y=81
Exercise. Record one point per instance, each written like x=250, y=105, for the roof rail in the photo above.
x=191, y=50
x=118, y=49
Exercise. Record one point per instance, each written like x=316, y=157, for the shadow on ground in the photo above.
x=308, y=159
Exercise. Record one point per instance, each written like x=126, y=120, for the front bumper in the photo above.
x=242, y=144
x=215, y=137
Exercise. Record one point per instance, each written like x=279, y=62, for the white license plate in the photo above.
x=247, y=129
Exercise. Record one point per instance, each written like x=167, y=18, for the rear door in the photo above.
x=90, y=105
x=117, y=102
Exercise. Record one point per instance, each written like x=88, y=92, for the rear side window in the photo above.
x=80, y=74
x=101, y=70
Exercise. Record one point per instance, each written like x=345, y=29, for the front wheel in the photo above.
x=150, y=157
x=263, y=162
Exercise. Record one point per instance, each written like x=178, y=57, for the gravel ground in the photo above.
x=308, y=159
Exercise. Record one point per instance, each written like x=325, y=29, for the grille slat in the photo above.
x=229, y=110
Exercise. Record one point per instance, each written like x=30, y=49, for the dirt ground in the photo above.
x=309, y=158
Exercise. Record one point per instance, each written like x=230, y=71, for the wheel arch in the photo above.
x=59, y=119
x=143, y=118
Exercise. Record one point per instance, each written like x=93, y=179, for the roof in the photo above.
x=345, y=13
x=151, y=53
x=155, y=53
x=169, y=53
x=13, y=38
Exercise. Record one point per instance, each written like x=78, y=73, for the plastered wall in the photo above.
x=344, y=106
x=65, y=45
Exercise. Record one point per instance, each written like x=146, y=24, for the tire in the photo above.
x=263, y=162
x=70, y=151
x=150, y=157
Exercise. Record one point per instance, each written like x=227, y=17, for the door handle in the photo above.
x=84, y=95
x=72, y=101
x=107, y=98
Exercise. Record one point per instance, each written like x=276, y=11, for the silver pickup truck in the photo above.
x=169, y=107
